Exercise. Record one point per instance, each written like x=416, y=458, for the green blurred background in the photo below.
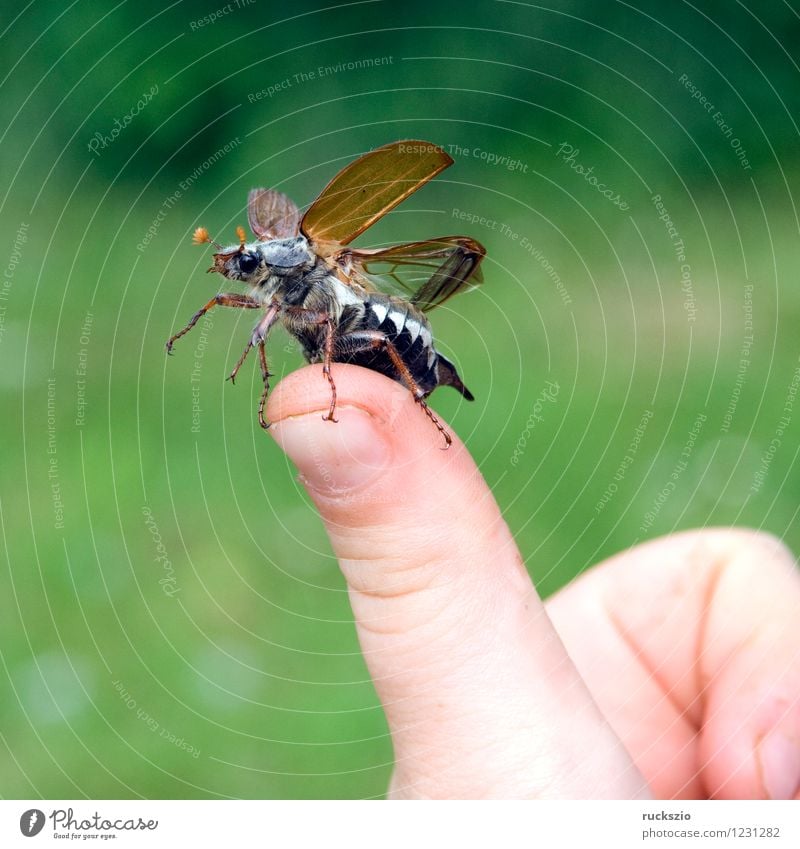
x=172, y=621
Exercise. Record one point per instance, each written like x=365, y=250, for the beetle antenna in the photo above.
x=201, y=236
x=242, y=236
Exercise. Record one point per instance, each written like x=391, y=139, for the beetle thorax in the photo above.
x=285, y=254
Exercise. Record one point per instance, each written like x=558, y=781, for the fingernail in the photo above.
x=780, y=765
x=335, y=457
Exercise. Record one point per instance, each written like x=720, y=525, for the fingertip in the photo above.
x=307, y=391
x=378, y=476
x=778, y=755
x=380, y=428
x=397, y=418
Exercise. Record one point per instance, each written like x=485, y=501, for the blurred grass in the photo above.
x=254, y=661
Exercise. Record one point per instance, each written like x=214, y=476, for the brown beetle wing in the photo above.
x=368, y=188
x=428, y=273
x=272, y=215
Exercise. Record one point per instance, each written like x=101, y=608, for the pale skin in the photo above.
x=670, y=671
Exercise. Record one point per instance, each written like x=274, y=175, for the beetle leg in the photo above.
x=259, y=334
x=265, y=376
x=224, y=299
x=322, y=317
x=365, y=340
x=232, y=375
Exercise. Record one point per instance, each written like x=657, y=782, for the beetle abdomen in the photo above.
x=408, y=331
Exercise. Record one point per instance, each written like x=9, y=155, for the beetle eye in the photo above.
x=248, y=263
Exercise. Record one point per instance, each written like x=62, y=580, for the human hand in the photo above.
x=672, y=669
